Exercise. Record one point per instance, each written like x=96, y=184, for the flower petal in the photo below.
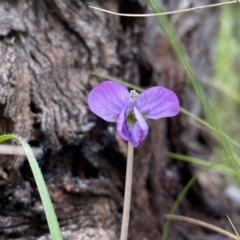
x=122, y=127
x=158, y=102
x=108, y=99
x=140, y=129
x=133, y=134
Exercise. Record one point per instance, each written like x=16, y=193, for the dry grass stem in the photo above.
x=163, y=13
x=202, y=224
x=234, y=229
x=18, y=150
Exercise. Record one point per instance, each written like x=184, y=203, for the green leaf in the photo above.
x=44, y=195
x=204, y=163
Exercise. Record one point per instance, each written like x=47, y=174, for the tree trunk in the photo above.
x=49, y=50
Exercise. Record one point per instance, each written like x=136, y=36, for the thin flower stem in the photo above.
x=165, y=13
x=127, y=193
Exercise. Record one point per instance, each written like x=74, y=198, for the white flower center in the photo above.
x=133, y=94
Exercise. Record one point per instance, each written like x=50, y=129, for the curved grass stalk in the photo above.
x=164, y=13
x=203, y=224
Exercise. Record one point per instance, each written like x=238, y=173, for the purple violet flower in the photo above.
x=112, y=102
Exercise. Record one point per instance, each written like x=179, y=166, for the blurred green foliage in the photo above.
x=226, y=79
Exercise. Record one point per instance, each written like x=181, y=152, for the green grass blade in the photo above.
x=179, y=199
x=44, y=195
x=204, y=123
x=176, y=204
x=125, y=83
x=179, y=52
x=203, y=163
x=193, y=79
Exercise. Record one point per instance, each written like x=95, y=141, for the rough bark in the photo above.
x=48, y=52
